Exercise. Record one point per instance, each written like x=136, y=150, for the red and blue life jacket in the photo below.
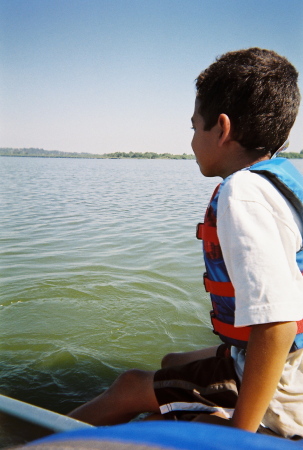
x=216, y=279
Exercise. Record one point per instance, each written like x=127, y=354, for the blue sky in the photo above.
x=101, y=76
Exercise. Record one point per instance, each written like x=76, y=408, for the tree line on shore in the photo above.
x=39, y=152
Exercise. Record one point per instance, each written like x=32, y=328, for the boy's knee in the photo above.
x=167, y=360
x=133, y=377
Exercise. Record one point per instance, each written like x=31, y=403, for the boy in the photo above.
x=246, y=104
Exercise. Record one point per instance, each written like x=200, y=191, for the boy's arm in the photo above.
x=267, y=350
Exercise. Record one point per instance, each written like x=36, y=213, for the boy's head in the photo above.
x=257, y=89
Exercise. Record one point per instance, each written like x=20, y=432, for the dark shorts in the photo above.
x=198, y=387
x=190, y=391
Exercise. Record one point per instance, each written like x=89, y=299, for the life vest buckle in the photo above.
x=199, y=231
x=205, y=278
x=212, y=316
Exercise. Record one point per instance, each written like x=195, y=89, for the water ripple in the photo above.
x=100, y=271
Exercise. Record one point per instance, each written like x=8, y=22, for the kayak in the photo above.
x=160, y=435
x=153, y=435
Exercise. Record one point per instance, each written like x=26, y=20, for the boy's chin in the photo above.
x=203, y=171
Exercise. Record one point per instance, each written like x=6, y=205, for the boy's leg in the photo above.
x=131, y=394
x=211, y=384
x=178, y=359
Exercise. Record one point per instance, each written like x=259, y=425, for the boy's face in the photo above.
x=204, y=146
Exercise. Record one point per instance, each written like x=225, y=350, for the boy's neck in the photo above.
x=239, y=158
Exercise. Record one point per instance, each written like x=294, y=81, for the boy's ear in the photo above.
x=224, y=128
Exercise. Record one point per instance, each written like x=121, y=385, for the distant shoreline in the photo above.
x=41, y=153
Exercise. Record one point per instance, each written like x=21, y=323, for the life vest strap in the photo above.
x=239, y=333
x=221, y=288
x=207, y=233
x=229, y=331
x=300, y=326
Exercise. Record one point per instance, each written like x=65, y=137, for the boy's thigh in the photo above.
x=198, y=386
x=176, y=359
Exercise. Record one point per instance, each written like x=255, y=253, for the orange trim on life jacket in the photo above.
x=207, y=233
x=239, y=333
x=222, y=288
x=228, y=330
x=300, y=326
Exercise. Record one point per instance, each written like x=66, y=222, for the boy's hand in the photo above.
x=267, y=350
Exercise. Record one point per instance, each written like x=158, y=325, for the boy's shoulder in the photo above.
x=245, y=185
x=254, y=188
x=270, y=182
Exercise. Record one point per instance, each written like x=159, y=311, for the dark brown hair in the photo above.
x=258, y=90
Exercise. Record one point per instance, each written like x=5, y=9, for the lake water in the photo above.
x=100, y=272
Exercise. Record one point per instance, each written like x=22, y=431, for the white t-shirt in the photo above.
x=259, y=234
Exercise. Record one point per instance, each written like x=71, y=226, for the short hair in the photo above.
x=258, y=90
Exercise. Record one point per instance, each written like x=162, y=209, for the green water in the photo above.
x=100, y=272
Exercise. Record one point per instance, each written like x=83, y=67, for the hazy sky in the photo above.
x=101, y=76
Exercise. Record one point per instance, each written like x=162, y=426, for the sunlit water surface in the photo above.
x=100, y=272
